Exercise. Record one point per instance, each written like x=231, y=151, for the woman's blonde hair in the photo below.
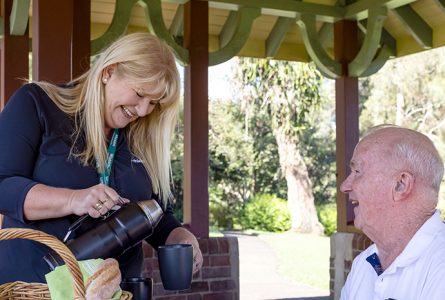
x=141, y=58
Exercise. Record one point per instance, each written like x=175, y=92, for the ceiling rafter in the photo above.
x=386, y=38
x=272, y=38
x=276, y=36
x=245, y=17
x=371, y=43
x=228, y=29
x=177, y=25
x=156, y=24
x=359, y=10
x=419, y=29
x=326, y=34
x=284, y=8
x=121, y=17
x=327, y=66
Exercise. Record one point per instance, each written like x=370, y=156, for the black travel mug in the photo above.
x=140, y=287
x=121, y=231
x=176, y=266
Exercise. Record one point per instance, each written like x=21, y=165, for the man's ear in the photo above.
x=403, y=186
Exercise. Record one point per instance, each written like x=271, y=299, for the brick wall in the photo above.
x=344, y=248
x=217, y=280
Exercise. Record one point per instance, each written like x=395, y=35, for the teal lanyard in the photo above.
x=105, y=176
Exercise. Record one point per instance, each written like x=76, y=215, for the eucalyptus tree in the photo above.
x=282, y=94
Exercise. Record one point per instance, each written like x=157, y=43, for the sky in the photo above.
x=218, y=81
x=219, y=86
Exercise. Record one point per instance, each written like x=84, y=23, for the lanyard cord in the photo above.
x=105, y=176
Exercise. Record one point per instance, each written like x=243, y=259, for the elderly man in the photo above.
x=394, y=186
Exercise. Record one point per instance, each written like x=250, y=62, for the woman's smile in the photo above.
x=127, y=113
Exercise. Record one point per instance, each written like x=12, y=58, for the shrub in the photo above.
x=327, y=214
x=266, y=212
x=223, y=210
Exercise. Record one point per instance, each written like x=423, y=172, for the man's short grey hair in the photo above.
x=424, y=161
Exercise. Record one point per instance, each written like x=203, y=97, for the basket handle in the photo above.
x=56, y=245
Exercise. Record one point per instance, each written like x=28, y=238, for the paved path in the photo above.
x=259, y=278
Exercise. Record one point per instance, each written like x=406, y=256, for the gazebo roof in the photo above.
x=286, y=29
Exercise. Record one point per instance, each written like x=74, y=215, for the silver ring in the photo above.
x=98, y=206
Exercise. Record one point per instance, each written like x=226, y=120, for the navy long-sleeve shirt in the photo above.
x=35, y=142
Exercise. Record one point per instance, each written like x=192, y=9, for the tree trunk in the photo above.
x=299, y=187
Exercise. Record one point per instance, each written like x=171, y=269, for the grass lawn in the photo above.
x=303, y=257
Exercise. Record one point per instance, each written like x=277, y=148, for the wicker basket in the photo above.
x=22, y=290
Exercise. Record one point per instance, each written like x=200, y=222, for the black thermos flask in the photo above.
x=119, y=232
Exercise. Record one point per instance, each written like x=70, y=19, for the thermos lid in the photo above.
x=152, y=210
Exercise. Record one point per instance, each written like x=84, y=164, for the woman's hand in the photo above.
x=180, y=235
x=95, y=201
x=45, y=202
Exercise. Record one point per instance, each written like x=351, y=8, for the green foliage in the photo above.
x=327, y=214
x=223, y=214
x=177, y=154
x=282, y=92
x=267, y=213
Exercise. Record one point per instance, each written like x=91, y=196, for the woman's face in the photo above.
x=124, y=101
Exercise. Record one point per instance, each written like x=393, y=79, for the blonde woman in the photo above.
x=55, y=146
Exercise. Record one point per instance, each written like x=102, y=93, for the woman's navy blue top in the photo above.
x=35, y=142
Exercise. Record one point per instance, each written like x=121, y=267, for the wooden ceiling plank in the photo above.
x=371, y=43
x=246, y=16
x=177, y=25
x=359, y=10
x=276, y=36
x=419, y=29
x=327, y=66
x=440, y=4
x=19, y=17
x=285, y=8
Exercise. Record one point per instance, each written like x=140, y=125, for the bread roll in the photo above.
x=104, y=282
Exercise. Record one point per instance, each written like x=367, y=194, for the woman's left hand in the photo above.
x=180, y=235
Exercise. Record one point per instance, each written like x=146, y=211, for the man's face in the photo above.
x=369, y=186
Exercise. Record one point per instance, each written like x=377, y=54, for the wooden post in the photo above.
x=196, y=124
x=81, y=36
x=347, y=113
x=14, y=57
x=52, y=28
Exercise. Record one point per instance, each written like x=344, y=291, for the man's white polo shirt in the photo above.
x=418, y=273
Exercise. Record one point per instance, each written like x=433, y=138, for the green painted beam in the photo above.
x=382, y=57
x=386, y=39
x=19, y=17
x=419, y=29
x=156, y=24
x=440, y=4
x=371, y=43
x=177, y=25
x=359, y=10
x=326, y=34
x=117, y=27
x=246, y=16
x=228, y=29
x=327, y=66
x=277, y=34
x=285, y=8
